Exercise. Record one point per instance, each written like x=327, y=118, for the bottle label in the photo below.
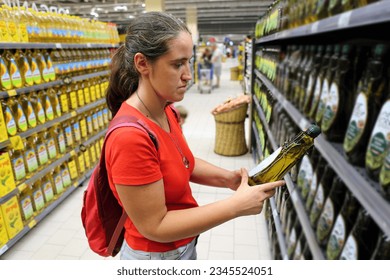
x=96, y=123
x=100, y=118
x=93, y=93
x=73, y=100
x=89, y=124
x=87, y=159
x=80, y=97
x=19, y=168
x=350, y=250
x=331, y=108
x=73, y=169
x=357, y=123
x=31, y=160
x=87, y=95
x=325, y=222
x=5, y=78
x=21, y=119
x=83, y=128
x=380, y=139
x=305, y=176
x=105, y=115
x=81, y=163
x=337, y=238
x=42, y=154
x=76, y=132
x=64, y=103
x=93, y=153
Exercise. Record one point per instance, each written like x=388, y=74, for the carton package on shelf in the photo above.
x=12, y=217
x=3, y=231
x=7, y=180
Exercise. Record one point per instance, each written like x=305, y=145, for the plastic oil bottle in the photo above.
x=28, y=110
x=42, y=65
x=59, y=137
x=36, y=74
x=57, y=181
x=14, y=72
x=67, y=126
x=9, y=118
x=66, y=180
x=47, y=106
x=41, y=150
x=64, y=99
x=47, y=189
x=18, y=165
x=30, y=156
x=26, y=205
x=38, y=198
x=55, y=102
x=50, y=72
x=38, y=107
x=5, y=78
x=49, y=140
x=24, y=68
x=18, y=113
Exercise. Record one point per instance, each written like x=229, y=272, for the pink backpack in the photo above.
x=102, y=216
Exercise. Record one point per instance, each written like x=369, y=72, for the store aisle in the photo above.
x=60, y=235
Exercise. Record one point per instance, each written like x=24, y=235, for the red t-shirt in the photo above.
x=132, y=159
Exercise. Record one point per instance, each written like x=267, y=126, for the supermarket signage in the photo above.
x=36, y=7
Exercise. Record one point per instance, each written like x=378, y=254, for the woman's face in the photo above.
x=171, y=72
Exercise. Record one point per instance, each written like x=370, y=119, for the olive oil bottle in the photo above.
x=275, y=166
x=342, y=226
x=304, y=77
x=317, y=176
x=306, y=173
x=368, y=101
x=382, y=248
x=360, y=243
x=379, y=141
x=330, y=211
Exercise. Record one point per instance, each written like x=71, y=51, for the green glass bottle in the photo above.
x=368, y=101
x=275, y=166
x=382, y=248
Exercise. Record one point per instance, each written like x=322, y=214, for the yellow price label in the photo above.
x=72, y=153
x=16, y=142
x=22, y=187
x=32, y=224
x=73, y=113
x=11, y=92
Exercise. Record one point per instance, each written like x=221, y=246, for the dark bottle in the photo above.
x=338, y=107
x=330, y=211
x=322, y=193
x=322, y=9
x=286, y=207
x=305, y=58
x=281, y=68
x=382, y=248
x=312, y=79
x=287, y=70
x=325, y=63
x=342, y=226
x=294, y=234
x=306, y=172
x=335, y=7
x=379, y=141
x=298, y=57
x=319, y=171
x=328, y=80
x=304, y=77
x=301, y=241
x=361, y=241
x=368, y=101
x=384, y=175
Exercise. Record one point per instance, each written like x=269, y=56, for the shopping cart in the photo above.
x=205, y=78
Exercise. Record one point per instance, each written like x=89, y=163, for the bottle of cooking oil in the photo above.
x=28, y=110
x=72, y=93
x=41, y=150
x=92, y=90
x=317, y=177
x=48, y=138
x=275, y=166
x=59, y=138
x=50, y=71
x=73, y=166
x=18, y=165
x=85, y=85
x=38, y=199
x=80, y=94
x=18, y=113
x=24, y=68
x=4, y=32
x=330, y=211
x=64, y=98
x=325, y=63
x=306, y=172
x=338, y=107
x=30, y=155
x=9, y=118
x=38, y=107
x=384, y=174
x=360, y=243
x=328, y=80
x=371, y=93
x=47, y=106
x=14, y=73
x=55, y=102
x=379, y=141
x=382, y=248
x=342, y=226
x=76, y=130
x=58, y=187
x=304, y=77
x=26, y=204
x=42, y=65
x=57, y=61
x=36, y=74
x=66, y=180
x=67, y=126
x=47, y=189
x=5, y=78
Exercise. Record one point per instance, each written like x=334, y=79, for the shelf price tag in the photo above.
x=344, y=19
x=11, y=92
x=314, y=27
x=16, y=143
x=58, y=46
x=32, y=224
x=22, y=187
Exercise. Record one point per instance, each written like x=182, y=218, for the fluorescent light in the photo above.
x=120, y=8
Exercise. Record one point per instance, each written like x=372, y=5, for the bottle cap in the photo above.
x=313, y=130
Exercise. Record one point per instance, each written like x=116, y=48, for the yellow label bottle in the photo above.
x=38, y=107
x=83, y=127
x=51, y=146
x=59, y=138
x=80, y=95
x=18, y=113
x=68, y=134
x=92, y=90
x=47, y=189
x=64, y=99
x=57, y=180
x=38, y=198
x=28, y=110
x=30, y=156
x=55, y=102
x=76, y=130
x=3, y=128
x=73, y=168
x=9, y=119
x=47, y=106
x=24, y=68
x=72, y=93
x=42, y=65
x=41, y=150
x=50, y=72
x=18, y=165
x=36, y=74
x=5, y=78
x=26, y=205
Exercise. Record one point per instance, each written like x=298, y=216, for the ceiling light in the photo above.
x=120, y=8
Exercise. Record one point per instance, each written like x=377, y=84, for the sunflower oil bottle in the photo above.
x=24, y=68
x=42, y=65
x=9, y=119
x=21, y=24
x=14, y=72
x=66, y=179
x=12, y=24
x=28, y=110
x=58, y=135
x=76, y=130
x=38, y=198
x=63, y=98
x=55, y=102
x=47, y=106
x=3, y=124
x=36, y=74
x=41, y=150
x=30, y=156
x=38, y=107
x=57, y=181
x=4, y=34
x=67, y=126
x=5, y=78
x=48, y=138
x=71, y=90
x=18, y=165
x=18, y=113
x=47, y=189
x=50, y=72
x=26, y=205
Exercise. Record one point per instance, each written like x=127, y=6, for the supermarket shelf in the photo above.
x=364, y=189
x=14, y=92
x=55, y=46
x=375, y=13
x=278, y=227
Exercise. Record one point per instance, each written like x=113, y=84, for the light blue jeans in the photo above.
x=186, y=252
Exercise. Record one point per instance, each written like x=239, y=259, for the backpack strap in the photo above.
x=122, y=121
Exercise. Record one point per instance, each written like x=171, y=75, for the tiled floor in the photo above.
x=60, y=235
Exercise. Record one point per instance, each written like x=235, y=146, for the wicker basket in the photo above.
x=230, y=132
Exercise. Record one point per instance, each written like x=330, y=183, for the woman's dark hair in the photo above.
x=148, y=34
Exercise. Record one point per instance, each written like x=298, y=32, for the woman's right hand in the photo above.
x=249, y=200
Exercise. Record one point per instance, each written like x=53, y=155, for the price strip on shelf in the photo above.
x=16, y=143
x=32, y=224
x=344, y=19
x=314, y=27
x=22, y=187
x=11, y=92
x=58, y=46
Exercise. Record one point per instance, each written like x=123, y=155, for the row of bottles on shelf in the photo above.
x=35, y=152
x=20, y=24
x=21, y=209
x=286, y=14
x=24, y=68
x=345, y=89
x=18, y=114
x=343, y=228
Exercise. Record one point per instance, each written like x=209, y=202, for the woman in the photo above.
x=149, y=72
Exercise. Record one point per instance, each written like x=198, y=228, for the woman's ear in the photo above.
x=141, y=64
